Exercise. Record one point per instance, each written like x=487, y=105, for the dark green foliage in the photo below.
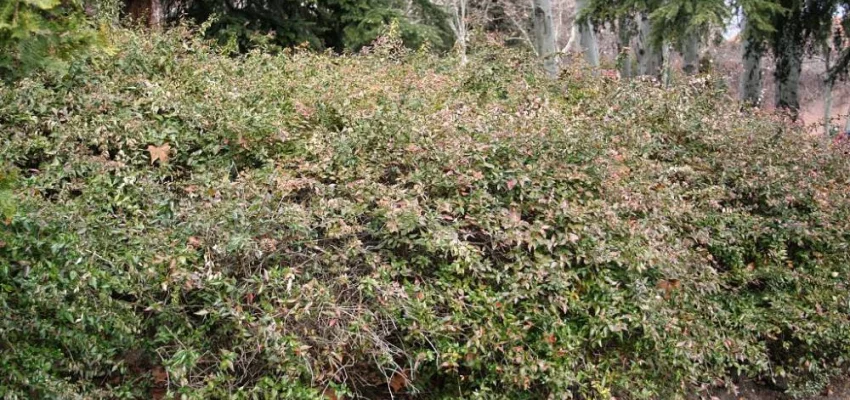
x=676, y=19
x=335, y=24
x=286, y=226
x=37, y=35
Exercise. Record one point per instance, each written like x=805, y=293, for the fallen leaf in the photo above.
x=159, y=153
x=511, y=184
x=160, y=377
x=193, y=242
x=398, y=381
x=668, y=286
x=330, y=394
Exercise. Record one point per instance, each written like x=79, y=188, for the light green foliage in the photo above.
x=37, y=35
x=334, y=222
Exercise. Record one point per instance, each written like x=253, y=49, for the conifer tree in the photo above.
x=38, y=35
x=335, y=24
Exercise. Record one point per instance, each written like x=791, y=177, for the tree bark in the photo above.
x=827, y=93
x=690, y=54
x=648, y=54
x=144, y=11
x=788, y=46
x=587, y=38
x=544, y=36
x=624, y=39
x=751, y=81
x=667, y=67
x=457, y=23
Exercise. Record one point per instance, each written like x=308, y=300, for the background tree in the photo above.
x=41, y=35
x=458, y=11
x=544, y=36
x=793, y=29
x=587, y=37
x=335, y=24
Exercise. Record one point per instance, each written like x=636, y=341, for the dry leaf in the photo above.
x=193, y=242
x=330, y=394
x=160, y=377
x=668, y=286
x=398, y=381
x=159, y=153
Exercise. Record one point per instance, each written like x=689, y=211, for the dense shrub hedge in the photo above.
x=314, y=226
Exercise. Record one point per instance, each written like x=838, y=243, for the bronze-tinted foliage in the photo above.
x=390, y=223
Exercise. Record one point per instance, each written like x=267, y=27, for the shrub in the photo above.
x=315, y=226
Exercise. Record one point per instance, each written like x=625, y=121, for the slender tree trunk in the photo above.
x=624, y=39
x=571, y=42
x=690, y=53
x=751, y=81
x=587, y=35
x=544, y=36
x=667, y=65
x=457, y=23
x=648, y=55
x=788, y=46
x=827, y=94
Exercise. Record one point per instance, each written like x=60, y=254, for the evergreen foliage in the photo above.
x=38, y=35
x=335, y=24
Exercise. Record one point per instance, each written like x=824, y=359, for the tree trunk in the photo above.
x=457, y=23
x=648, y=55
x=827, y=94
x=751, y=81
x=624, y=39
x=144, y=11
x=788, y=46
x=667, y=65
x=690, y=54
x=544, y=36
x=589, y=45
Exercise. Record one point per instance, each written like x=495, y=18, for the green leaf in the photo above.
x=44, y=4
